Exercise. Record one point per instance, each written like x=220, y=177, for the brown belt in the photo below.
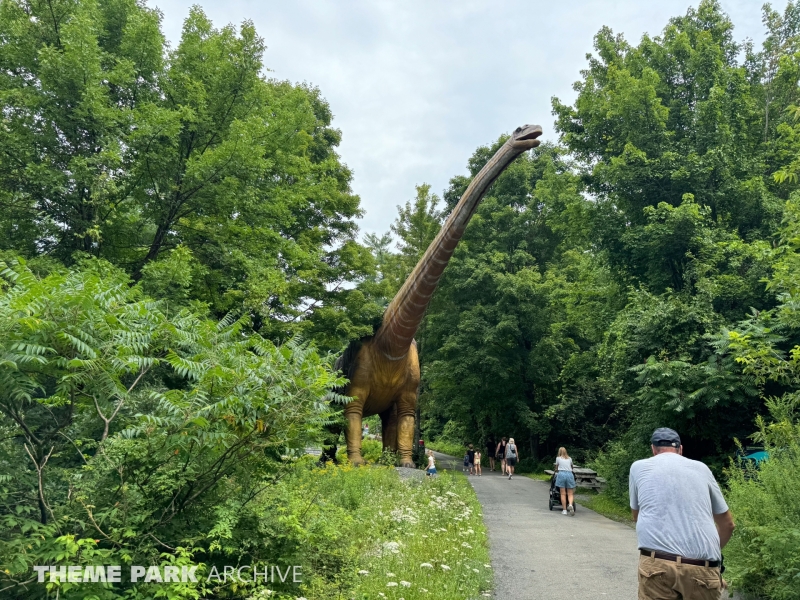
x=679, y=559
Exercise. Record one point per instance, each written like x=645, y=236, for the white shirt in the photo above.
x=563, y=464
x=677, y=499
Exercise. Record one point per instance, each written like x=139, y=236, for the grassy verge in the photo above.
x=448, y=448
x=364, y=533
x=605, y=505
x=538, y=476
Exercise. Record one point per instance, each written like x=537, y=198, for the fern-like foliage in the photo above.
x=125, y=430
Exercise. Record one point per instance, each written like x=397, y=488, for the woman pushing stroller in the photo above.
x=565, y=481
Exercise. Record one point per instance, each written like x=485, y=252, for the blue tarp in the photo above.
x=757, y=456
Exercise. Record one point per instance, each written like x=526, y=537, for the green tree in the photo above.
x=127, y=433
x=415, y=227
x=506, y=324
x=117, y=147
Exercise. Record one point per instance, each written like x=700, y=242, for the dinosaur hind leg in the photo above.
x=389, y=423
x=329, y=452
x=406, y=410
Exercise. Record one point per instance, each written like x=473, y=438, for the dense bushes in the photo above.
x=764, y=555
x=128, y=433
x=614, y=464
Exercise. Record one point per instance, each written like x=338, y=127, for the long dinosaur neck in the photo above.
x=405, y=312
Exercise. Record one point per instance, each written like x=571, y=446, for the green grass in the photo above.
x=443, y=552
x=449, y=448
x=538, y=476
x=605, y=505
x=365, y=534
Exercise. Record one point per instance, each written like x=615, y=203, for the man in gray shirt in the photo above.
x=682, y=523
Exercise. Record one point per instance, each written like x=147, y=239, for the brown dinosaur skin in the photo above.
x=383, y=370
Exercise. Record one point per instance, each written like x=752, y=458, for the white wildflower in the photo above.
x=426, y=565
x=363, y=572
x=405, y=583
x=476, y=570
x=423, y=590
x=393, y=547
x=391, y=575
x=488, y=566
x=465, y=545
x=445, y=568
x=391, y=584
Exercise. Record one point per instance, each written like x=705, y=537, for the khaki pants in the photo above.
x=667, y=580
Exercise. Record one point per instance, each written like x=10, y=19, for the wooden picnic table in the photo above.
x=585, y=478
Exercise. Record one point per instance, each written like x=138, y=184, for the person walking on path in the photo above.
x=565, y=481
x=471, y=459
x=478, y=463
x=682, y=523
x=512, y=454
x=431, y=470
x=491, y=448
x=500, y=453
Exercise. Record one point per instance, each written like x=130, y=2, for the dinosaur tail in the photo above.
x=405, y=312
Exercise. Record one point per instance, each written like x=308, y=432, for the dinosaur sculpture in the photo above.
x=383, y=370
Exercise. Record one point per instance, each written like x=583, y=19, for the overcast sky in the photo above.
x=417, y=85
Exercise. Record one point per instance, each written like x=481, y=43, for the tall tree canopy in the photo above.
x=592, y=295
x=115, y=146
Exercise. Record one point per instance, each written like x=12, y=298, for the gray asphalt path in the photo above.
x=538, y=554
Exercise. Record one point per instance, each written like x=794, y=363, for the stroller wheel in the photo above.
x=550, y=503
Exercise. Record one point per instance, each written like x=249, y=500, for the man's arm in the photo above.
x=725, y=526
x=633, y=493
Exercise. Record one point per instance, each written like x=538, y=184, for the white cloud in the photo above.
x=416, y=86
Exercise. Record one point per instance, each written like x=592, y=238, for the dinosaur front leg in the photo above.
x=353, y=414
x=406, y=408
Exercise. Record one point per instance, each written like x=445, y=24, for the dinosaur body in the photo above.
x=383, y=370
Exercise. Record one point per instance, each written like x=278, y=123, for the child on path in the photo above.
x=471, y=459
x=431, y=470
x=478, y=463
x=466, y=462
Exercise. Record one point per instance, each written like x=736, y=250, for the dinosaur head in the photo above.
x=524, y=138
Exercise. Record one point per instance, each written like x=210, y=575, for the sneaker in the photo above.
x=571, y=510
x=509, y=476
x=563, y=512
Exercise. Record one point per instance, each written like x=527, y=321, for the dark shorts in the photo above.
x=511, y=461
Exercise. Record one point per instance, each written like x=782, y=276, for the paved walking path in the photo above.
x=538, y=554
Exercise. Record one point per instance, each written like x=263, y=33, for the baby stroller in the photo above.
x=555, y=496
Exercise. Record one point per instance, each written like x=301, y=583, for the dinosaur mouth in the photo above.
x=527, y=132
